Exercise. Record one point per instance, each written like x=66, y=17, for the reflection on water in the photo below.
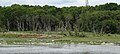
x=59, y=49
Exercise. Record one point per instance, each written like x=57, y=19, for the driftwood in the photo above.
x=40, y=36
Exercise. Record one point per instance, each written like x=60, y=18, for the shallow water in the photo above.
x=59, y=49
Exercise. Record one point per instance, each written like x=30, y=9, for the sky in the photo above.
x=57, y=3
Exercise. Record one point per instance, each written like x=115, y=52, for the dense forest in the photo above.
x=100, y=18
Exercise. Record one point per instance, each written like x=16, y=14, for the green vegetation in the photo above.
x=84, y=37
x=99, y=19
x=100, y=23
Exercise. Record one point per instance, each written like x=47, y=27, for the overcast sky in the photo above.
x=57, y=3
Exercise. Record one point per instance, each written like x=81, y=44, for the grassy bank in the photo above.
x=83, y=37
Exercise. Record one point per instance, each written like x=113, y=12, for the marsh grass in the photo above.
x=81, y=37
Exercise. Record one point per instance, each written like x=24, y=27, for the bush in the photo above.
x=82, y=35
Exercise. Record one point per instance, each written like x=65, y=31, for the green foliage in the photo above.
x=82, y=34
x=72, y=20
x=108, y=6
x=100, y=21
x=8, y=35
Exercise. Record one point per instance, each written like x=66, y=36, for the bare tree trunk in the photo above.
x=93, y=29
x=18, y=26
x=36, y=27
x=101, y=31
x=33, y=24
x=30, y=24
x=8, y=25
x=23, y=27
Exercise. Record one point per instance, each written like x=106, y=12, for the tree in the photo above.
x=99, y=19
x=108, y=6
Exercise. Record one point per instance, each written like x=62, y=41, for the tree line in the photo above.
x=100, y=18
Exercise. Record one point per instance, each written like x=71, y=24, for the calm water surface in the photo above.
x=59, y=49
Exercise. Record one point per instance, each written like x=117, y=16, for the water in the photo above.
x=59, y=49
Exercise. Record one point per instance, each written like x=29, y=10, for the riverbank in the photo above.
x=34, y=38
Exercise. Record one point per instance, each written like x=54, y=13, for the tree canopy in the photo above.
x=100, y=18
